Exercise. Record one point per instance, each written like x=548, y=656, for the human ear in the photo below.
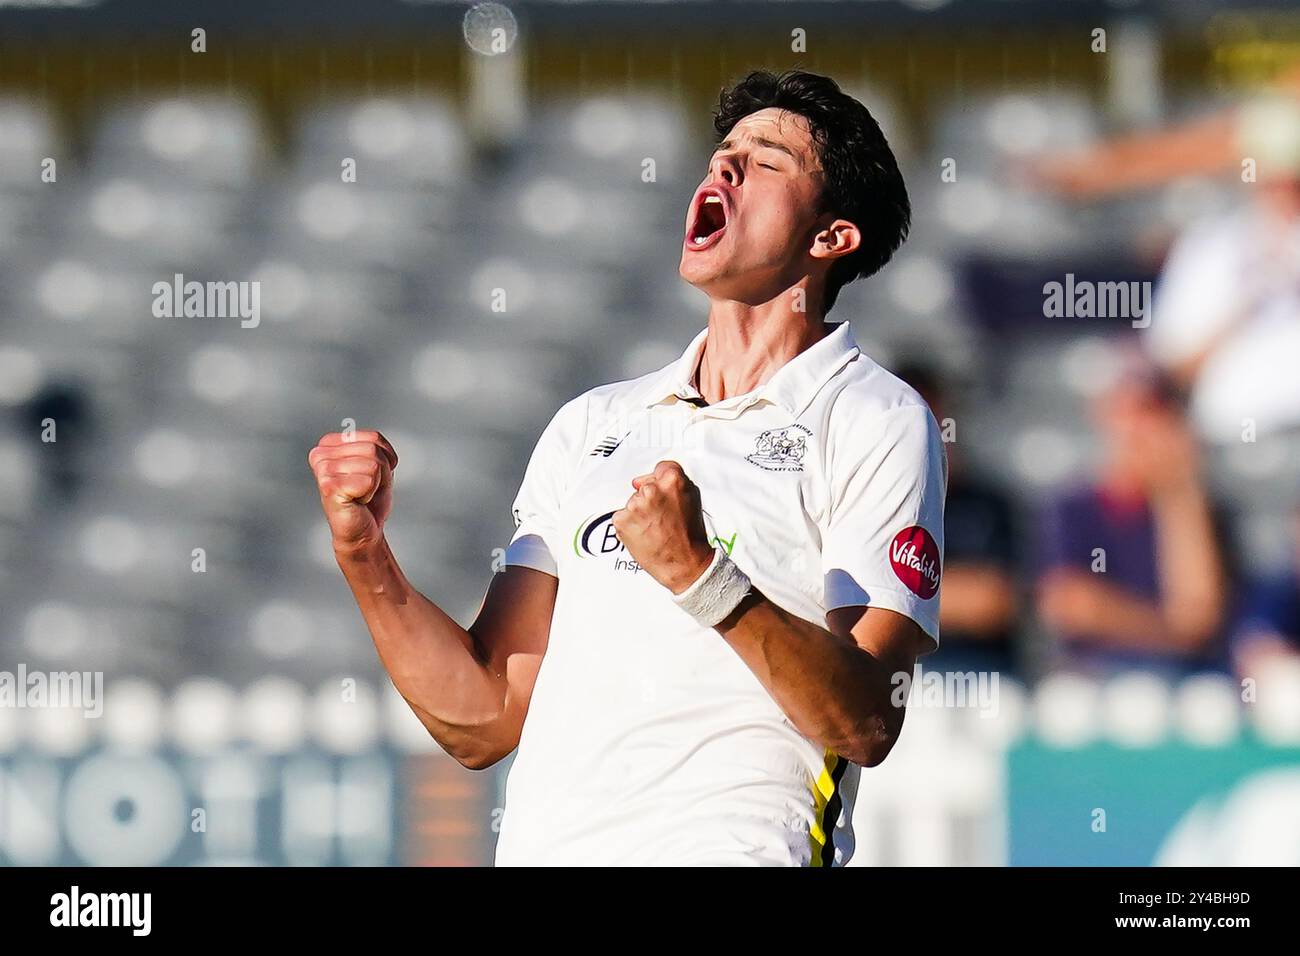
x=837, y=239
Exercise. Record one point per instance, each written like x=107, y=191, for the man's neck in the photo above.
x=747, y=345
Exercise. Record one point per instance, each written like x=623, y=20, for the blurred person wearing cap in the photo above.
x=1131, y=571
x=981, y=600
x=1226, y=317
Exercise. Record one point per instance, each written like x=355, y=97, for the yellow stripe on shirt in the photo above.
x=823, y=796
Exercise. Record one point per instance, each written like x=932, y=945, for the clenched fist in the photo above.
x=354, y=473
x=662, y=527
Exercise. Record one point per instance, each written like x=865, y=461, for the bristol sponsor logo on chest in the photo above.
x=596, y=538
x=914, y=556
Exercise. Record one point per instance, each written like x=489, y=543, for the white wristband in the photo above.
x=716, y=592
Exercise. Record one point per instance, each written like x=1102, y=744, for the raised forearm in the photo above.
x=1191, y=574
x=833, y=691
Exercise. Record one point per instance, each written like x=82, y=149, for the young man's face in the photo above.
x=752, y=224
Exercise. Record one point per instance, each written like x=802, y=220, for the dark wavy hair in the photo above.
x=863, y=184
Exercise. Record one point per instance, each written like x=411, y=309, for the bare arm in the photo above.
x=469, y=687
x=834, y=683
x=1081, y=602
x=1205, y=146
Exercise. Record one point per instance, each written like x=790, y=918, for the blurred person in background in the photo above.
x=1226, y=315
x=1131, y=568
x=1267, y=632
x=980, y=597
x=1226, y=318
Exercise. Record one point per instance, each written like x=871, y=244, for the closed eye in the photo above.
x=768, y=166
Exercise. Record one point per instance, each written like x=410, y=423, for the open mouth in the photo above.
x=709, y=223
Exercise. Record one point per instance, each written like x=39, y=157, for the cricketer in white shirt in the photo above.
x=647, y=739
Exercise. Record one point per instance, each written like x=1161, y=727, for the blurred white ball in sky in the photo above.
x=490, y=28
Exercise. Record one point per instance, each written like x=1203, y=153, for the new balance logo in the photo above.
x=607, y=446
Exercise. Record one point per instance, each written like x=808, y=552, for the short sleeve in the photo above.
x=883, y=541
x=537, y=539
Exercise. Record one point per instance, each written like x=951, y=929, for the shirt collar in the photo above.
x=793, y=387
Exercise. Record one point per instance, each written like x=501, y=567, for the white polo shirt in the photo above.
x=648, y=740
